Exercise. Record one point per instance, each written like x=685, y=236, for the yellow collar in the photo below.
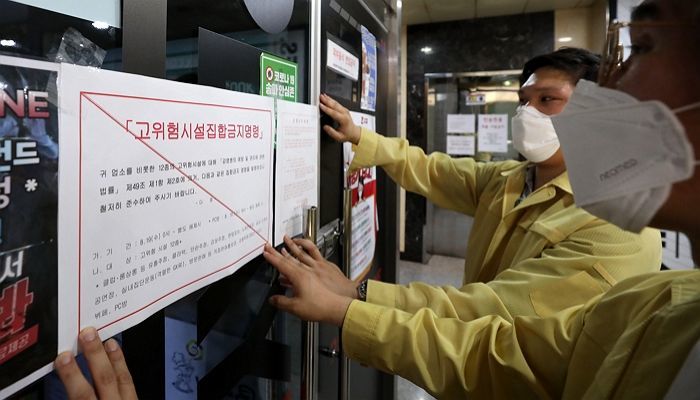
x=561, y=181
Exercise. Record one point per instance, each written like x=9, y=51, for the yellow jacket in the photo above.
x=626, y=344
x=540, y=257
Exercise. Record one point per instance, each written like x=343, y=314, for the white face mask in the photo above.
x=533, y=134
x=622, y=155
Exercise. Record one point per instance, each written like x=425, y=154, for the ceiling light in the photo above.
x=427, y=50
x=8, y=43
x=100, y=25
x=565, y=39
x=507, y=83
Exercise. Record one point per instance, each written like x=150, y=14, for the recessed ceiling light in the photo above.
x=427, y=50
x=565, y=39
x=8, y=43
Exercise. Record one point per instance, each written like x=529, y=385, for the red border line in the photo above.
x=80, y=208
x=123, y=96
x=84, y=95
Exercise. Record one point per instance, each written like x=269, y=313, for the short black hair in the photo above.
x=577, y=63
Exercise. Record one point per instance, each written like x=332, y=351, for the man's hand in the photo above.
x=107, y=366
x=311, y=300
x=347, y=130
x=328, y=273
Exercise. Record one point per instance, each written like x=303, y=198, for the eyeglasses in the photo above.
x=614, y=52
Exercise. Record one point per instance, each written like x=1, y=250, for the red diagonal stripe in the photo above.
x=124, y=96
x=173, y=165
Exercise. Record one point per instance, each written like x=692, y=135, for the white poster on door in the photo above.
x=461, y=123
x=165, y=188
x=460, y=145
x=493, y=133
x=365, y=221
x=342, y=61
x=296, y=169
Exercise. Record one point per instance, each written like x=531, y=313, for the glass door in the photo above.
x=468, y=115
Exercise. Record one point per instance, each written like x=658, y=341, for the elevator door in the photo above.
x=467, y=96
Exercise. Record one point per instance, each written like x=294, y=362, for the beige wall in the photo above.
x=585, y=26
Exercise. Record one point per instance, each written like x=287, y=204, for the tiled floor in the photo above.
x=440, y=270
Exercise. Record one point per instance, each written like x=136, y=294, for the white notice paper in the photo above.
x=296, y=184
x=166, y=188
x=460, y=123
x=493, y=133
x=363, y=236
x=342, y=61
x=460, y=145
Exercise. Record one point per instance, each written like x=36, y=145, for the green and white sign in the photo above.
x=278, y=78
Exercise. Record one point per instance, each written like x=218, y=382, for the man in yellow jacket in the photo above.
x=639, y=340
x=532, y=251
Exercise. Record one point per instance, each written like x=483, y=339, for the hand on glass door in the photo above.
x=328, y=273
x=311, y=300
x=347, y=131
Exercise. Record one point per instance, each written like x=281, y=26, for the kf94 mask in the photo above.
x=533, y=134
x=622, y=155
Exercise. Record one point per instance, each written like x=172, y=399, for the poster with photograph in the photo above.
x=365, y=224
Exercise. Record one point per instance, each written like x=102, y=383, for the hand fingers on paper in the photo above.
x=310, y=248
x=101, y=369
x=121, y=370
x=291, y=245
x=77, y=387
x=299, y=252
x=295, y=261
x=282, y=264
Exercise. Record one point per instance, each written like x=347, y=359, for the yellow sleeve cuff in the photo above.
x=383, y=294
x=359, y=329
x=366, y=150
